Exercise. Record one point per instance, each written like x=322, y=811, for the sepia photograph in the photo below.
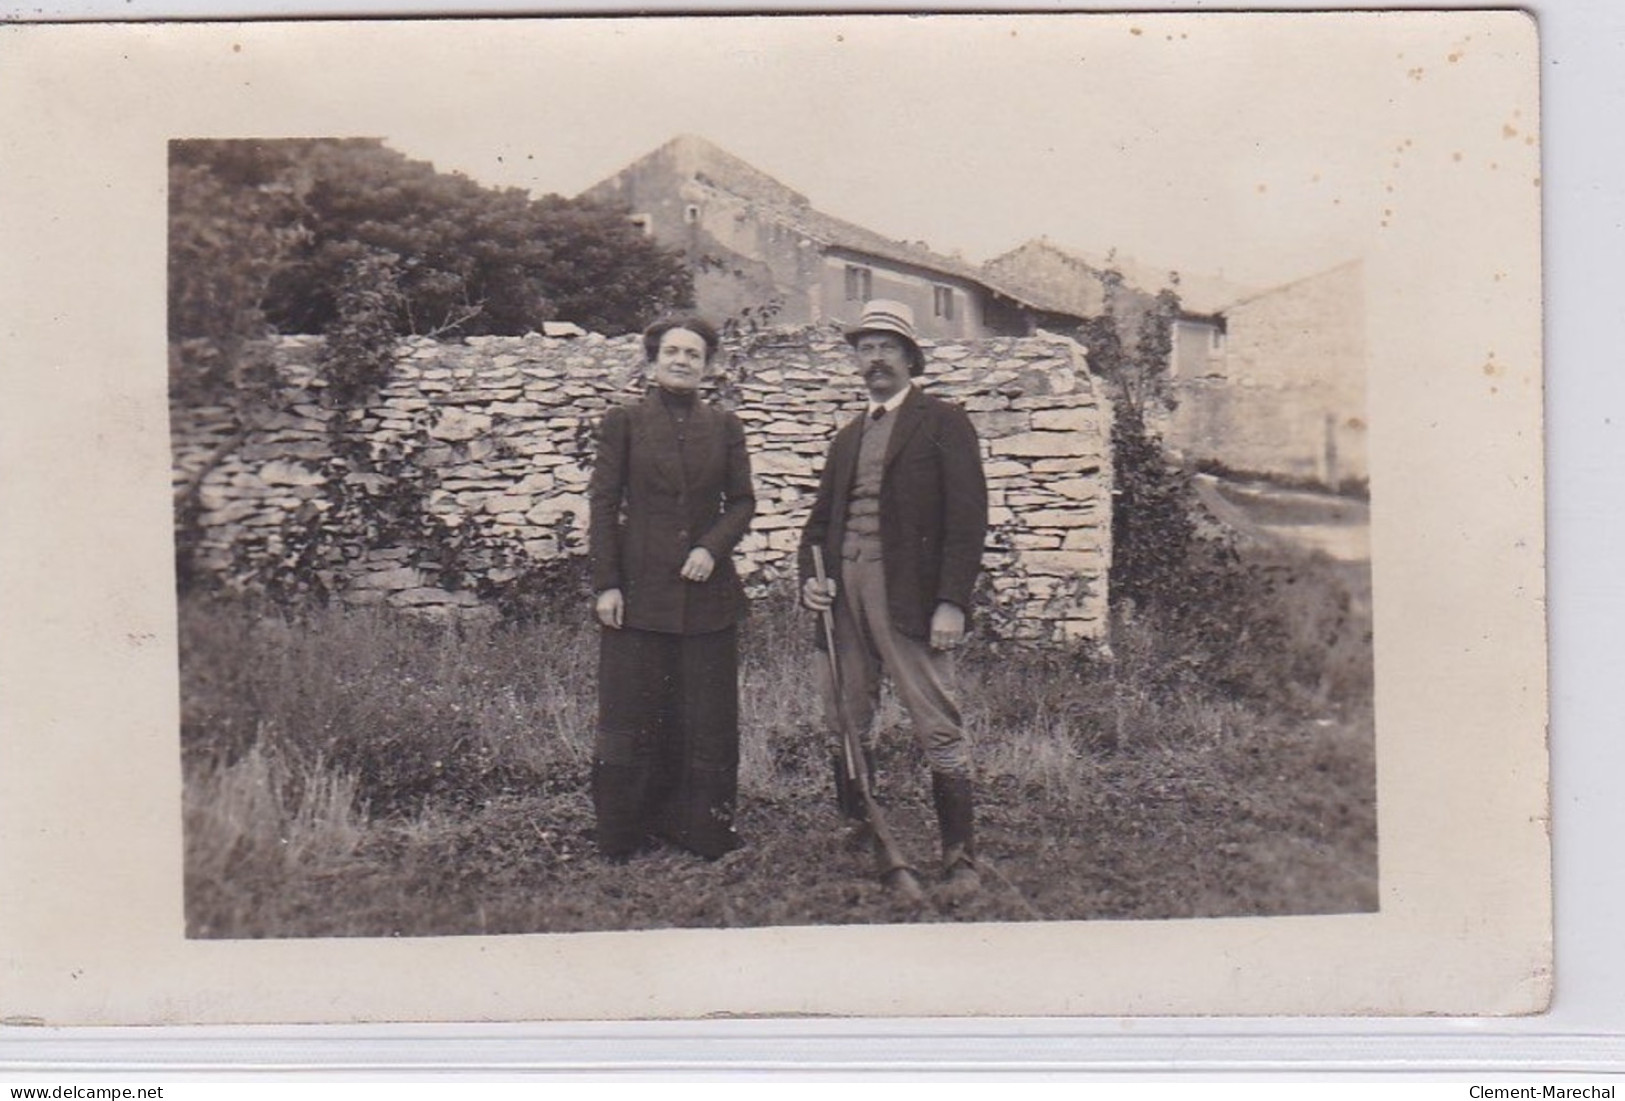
x=480, y=633
x=766, y=475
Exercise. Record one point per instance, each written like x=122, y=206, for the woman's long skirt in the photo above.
x=666, y=757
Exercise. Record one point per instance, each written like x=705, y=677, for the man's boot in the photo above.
x=860, y=833
x=951, y=793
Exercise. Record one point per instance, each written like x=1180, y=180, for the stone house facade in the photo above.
x=752, y=242
x=1283, y=391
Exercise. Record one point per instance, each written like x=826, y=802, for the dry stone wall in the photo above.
x=497, y=435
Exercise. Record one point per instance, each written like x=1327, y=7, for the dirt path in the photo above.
x=1339, y=527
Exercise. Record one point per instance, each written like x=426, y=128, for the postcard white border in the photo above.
x=90, y=927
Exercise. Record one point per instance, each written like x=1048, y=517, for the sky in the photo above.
x=1259, y=149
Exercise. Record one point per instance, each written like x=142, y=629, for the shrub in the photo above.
x=360, y=349
x=1204, y=613
x=557, y=588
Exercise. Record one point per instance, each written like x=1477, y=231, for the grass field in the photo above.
x=349, y=773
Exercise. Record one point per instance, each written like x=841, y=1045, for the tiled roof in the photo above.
x=1279, y=287
x=1198, y=294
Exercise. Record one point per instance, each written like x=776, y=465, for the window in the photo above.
x=691, y=213
x=858, y=283
x=642, y=222
x=942, y=302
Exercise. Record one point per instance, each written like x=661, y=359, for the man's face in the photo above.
x=680, y=360
x=883, y=361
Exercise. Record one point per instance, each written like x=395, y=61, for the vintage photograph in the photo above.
x=504, y=483
x=588, y=518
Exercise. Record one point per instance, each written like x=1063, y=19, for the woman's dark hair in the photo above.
x=694, y=324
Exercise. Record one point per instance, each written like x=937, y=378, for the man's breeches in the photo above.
x=923, y=678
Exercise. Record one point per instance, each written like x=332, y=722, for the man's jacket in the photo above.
x=933, y=509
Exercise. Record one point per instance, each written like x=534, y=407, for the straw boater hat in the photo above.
x=882, y=315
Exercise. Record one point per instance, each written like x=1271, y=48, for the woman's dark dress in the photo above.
x=671, y=474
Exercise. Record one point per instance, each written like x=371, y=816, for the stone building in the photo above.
x=1283, y=391
x=1268, y=382
x=752, y=242
x=1075, y=281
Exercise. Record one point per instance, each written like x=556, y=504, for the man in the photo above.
x=901, y=516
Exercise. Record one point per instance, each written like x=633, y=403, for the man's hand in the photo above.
x=820, y=598
x=947, y=626
x=610, y=608
x=698, y=565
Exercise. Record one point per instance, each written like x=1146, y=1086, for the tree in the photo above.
x=272, y=232
x=471, y=260
x=1216, y=615
x=233, y=226
x=1153, y=509
x=601, y=271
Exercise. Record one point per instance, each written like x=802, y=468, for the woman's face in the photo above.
x=680, y=361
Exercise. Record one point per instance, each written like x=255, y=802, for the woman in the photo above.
x=671, y=495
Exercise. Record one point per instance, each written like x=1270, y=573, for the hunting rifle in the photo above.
x=895, y=871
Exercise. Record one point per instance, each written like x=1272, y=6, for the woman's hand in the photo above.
x=610, y=608
x=699, y=565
